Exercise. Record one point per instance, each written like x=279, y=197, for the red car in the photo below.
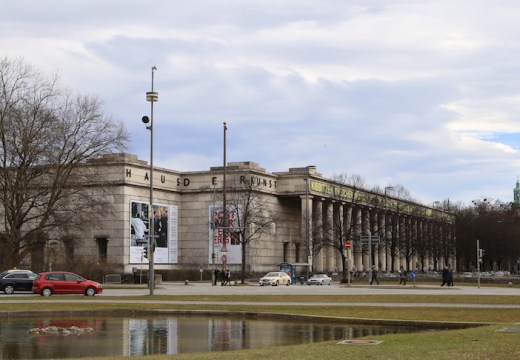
x=62, y=282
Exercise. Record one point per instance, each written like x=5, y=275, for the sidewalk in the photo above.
x=205, y=288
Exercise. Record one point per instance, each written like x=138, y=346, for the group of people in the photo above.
x=225, y=277
x=447, y=276
x=402, y=276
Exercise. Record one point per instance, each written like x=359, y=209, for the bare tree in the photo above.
x=395, y=228
x=347, y=227
x=47, y=133
x=496, y=226
x=253, y=216
x=353, y=180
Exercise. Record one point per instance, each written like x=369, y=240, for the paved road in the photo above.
x=196, y=288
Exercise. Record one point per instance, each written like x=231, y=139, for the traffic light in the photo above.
x=145, y=252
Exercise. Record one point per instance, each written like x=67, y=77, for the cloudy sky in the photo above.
x=421, y=93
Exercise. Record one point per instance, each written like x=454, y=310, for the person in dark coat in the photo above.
x=223, y=278
x=402, y=276
x=374, y=276
x=216, y=273
x=445, y=274
x=450, y=277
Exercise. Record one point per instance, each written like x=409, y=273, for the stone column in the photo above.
x=330, y=229
x=416, y=239
x=340, y=234
x=365, y=213
x=318, y=231
x=348, y=228
x=306, y=225
x=357, y=249
x=389, y=224
x=401, y=238
x=381, y=259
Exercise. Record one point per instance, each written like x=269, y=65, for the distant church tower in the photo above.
x=516, y=194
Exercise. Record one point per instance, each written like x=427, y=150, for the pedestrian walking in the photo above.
x=374, y=276
x=222, y=277
x=228, y=278
x=450, y=277
x=445, y=274
x=215, y=275
x=402, y=276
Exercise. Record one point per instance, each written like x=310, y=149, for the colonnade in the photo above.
x=415, y=241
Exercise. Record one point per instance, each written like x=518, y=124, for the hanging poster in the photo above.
x=165, y=223
x=224, y=238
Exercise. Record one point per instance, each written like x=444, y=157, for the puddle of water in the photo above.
x=142, y=335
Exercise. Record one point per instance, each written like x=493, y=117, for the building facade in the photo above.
x=312, y=217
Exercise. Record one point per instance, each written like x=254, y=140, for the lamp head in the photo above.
x=145, y=119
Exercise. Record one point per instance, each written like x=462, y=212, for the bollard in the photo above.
x=186, y=282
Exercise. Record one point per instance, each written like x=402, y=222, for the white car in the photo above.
x=275, y=278
x=320, y=279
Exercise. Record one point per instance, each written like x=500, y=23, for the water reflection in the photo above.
x=143, y=335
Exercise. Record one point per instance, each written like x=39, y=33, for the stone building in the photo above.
x=313, y=218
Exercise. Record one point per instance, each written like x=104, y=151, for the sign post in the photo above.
x=369, y=240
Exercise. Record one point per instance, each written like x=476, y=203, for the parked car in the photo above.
x=62, y=282
x=389, y=275
x=275, y=278
x=16, y=280
x=320, y=279
x=432, y=274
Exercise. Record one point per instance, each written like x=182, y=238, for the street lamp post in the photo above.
x=225, y=222
x=307, y=228
x=151, y=96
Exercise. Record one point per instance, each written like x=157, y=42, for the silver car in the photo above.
x=320, y=279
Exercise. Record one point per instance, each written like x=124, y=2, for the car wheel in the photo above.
x=9, y=289
x=46, y=292
x=288, y=283
x=90, y=291
x=321, y=282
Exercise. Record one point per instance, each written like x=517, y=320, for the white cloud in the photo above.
x=422, y=93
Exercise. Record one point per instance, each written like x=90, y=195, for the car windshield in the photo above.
x=320, y=276
x=272, y=274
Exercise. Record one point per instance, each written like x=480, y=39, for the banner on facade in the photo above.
x=224, y=236
x=165, y=230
